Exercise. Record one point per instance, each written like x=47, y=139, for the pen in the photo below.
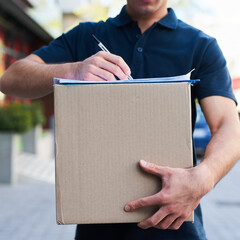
x=106, y=50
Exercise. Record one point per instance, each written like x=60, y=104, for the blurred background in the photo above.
x=27, y=195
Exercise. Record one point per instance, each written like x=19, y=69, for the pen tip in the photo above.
x=95, y=38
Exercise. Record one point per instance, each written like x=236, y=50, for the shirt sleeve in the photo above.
x=62, y=49
x=213, y=74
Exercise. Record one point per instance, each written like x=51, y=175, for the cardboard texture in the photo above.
x=101, y=133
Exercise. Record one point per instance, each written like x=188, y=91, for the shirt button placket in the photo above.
x=139, y=44
x=137, y=59
x=138, y=36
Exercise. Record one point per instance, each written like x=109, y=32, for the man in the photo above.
x=153, y=43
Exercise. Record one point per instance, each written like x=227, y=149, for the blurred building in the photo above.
x=48, y=14
x=68, y=7
x=76, y=11
x=20, y=34
x=222, y=21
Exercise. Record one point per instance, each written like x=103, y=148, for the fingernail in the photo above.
x=127, y=208
x=143, y=163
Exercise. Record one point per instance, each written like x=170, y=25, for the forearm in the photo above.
x=31, y=79
x=222, y=152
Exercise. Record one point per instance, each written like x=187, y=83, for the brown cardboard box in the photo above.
x=101, y=133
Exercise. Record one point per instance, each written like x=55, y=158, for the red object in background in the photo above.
x=13, y=47
x=26, y=49
x=236, y=83
x=2, y=62
x=16, y=47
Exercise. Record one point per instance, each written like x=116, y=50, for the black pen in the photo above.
x=106, y=50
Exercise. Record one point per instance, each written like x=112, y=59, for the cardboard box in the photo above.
x=101, y=133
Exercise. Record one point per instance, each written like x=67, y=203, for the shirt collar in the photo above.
x=169, y=21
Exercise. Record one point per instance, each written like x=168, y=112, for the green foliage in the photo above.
x=14, y=118
x=20, y=117
x=36, y=110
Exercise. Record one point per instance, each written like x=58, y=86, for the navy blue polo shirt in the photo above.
x=169, y=47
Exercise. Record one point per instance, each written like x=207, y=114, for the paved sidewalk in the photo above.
x=36, y=167
x=27, y=209
x=221, y=208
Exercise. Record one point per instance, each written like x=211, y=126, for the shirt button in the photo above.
x=139, y=49
x=138, y=36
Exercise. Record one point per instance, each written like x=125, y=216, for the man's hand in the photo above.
x=101, y=66
x=181, y=192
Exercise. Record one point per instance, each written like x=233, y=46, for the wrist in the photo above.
x=65, y=70
x=204, y=178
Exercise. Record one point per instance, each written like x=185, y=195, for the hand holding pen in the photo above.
x=102, y=66
x=106, y=50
